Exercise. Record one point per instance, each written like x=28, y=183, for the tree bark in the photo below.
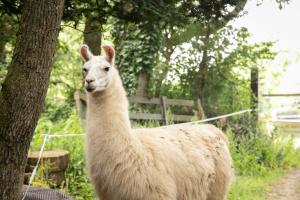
x=24, y=89
x=141, y=90
x=92, y=34
x=200, y=78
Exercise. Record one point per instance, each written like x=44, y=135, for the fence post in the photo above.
x=201, y=113
x=254, y=97
x=80, y=106
x=164, y=108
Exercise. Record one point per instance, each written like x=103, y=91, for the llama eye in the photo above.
x=85, y=70
x=106, y=69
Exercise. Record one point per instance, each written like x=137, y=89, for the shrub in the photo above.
x=256, y=154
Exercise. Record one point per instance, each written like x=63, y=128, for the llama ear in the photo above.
x=110, y=53
x=85, y=52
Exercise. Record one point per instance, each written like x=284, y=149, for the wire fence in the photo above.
x=47, y=137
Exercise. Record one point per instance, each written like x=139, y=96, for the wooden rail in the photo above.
x=163, y=102
x=282, y=95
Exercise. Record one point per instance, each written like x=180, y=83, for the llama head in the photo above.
x=98, y=70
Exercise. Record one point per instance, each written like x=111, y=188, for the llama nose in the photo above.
x=89, y=80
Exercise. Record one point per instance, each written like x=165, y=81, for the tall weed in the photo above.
x=256, y=154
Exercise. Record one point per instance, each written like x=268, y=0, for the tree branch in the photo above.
x=196, y=29
x=230, y=16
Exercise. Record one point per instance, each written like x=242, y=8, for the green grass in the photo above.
x=254, y=187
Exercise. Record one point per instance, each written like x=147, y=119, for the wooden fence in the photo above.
x=288, y=123
x=163, y=102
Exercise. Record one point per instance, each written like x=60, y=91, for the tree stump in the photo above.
x=55, y=163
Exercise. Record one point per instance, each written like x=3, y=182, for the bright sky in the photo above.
x=268, y=22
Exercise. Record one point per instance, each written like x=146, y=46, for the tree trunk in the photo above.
x=200, y=78
x=198, y=93
x=92, y=34
x=141, y=90
x=165, y=66
x=24, y=89
x=201, y=114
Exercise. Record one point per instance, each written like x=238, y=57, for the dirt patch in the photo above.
x=288, y=188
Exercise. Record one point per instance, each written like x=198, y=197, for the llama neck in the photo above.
x=108, y=118
x=111, y=146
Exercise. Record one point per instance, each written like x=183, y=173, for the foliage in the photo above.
x=76, y=182
x=259, y=160
x=206, y=10
x=225, y=75
x=8, y=28
x=70, y=125
x=257, y=154
x=66, y=76
x=137, y=51
x=11, y=7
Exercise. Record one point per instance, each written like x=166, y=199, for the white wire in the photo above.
x=194, y=122
x=61, y=135
x=36, y=166
x=212, y=118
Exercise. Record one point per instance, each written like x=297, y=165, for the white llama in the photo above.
x=184, y=162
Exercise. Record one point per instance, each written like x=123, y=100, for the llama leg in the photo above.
x=100, y=194
x=220, y=187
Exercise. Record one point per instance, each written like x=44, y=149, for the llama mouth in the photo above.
x=90, y=89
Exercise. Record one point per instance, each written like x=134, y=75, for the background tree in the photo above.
x=198, y=19
x=9, y=22
x=223, y=89
x=24, y=89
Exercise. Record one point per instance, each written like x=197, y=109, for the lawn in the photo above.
x=254, y=187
